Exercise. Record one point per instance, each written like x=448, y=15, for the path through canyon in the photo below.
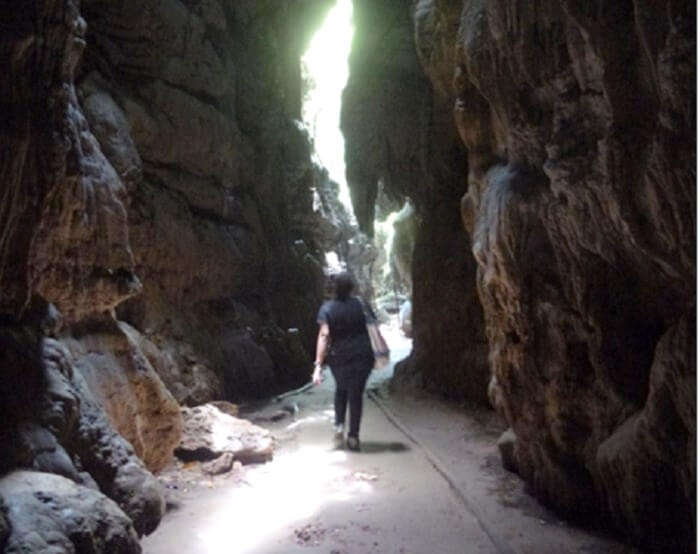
x=428, y=480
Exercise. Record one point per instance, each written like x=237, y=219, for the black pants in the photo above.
x=349, y=389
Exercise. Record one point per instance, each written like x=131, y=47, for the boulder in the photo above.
x=208, y=433
x=51, y=514
x=222, y=464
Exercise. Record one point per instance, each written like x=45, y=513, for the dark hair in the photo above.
x=343, y=283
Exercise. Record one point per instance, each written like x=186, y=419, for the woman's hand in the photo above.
x=316, y=378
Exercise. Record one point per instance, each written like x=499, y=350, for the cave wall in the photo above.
x=156, y=245
x=575, y=165
x=584, y=229
x=198, y=99
x=400, y=139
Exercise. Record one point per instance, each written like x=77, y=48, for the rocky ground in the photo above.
x=428, y=479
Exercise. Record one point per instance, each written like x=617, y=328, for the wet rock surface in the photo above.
x=574, y=172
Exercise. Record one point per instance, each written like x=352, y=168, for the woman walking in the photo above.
x=343, y=327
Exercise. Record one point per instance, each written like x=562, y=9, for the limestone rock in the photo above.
x=226, y=407
x=506, y=444
x=209, y=433
x=68, y=432
x=564, y=136
x=577, y=289
x=111, y=128
x=651, y=455
x=189, y=380
x=222, y=464
x=173, y=44
x=64, y=215
x=123, y=381
x=197, y=121
x=49, y=513
x=48, y=455
x=399, y=133
x=154, y=140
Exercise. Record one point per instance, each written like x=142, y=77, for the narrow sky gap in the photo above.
x=325, y=66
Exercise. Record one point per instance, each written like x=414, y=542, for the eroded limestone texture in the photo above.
x=576, y=170
x=156, y=242
x=210, y=432
x=194, y=105
x=49, y=513
x=400, y=134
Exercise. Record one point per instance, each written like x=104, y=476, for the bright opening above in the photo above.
x=325, y=70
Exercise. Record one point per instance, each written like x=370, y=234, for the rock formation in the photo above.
x=210, y=433
x=196, y=104
x=568, y=131
x=398, y=132
x=159, y=243
x=337, y=232
x=401, y=253
x=49, y=513
x=156, y=243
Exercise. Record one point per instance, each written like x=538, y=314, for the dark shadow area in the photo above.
x=377, y=447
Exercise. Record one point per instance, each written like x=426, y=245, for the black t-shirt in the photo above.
x=348, y=331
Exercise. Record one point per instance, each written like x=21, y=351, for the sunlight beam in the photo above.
x=325, y=69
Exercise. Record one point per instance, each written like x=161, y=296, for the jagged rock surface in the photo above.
x=55, y=424
x=220, y=181
x=209, y=433
x=582, y=202
x=155, y=190
x=125, y=384
x=64, y=255
x=398, y=132
x=52, y=514
x=577, y=123
x=338, y=233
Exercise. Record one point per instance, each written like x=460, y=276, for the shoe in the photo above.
x=338, y=430
x=353, y=444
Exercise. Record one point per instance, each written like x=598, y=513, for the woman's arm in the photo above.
x=321, y=349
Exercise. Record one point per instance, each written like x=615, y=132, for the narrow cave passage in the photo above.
x=513, y=187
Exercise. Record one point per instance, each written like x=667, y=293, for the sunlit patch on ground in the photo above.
x=292, y=489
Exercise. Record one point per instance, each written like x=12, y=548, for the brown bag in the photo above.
x=379, y=346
